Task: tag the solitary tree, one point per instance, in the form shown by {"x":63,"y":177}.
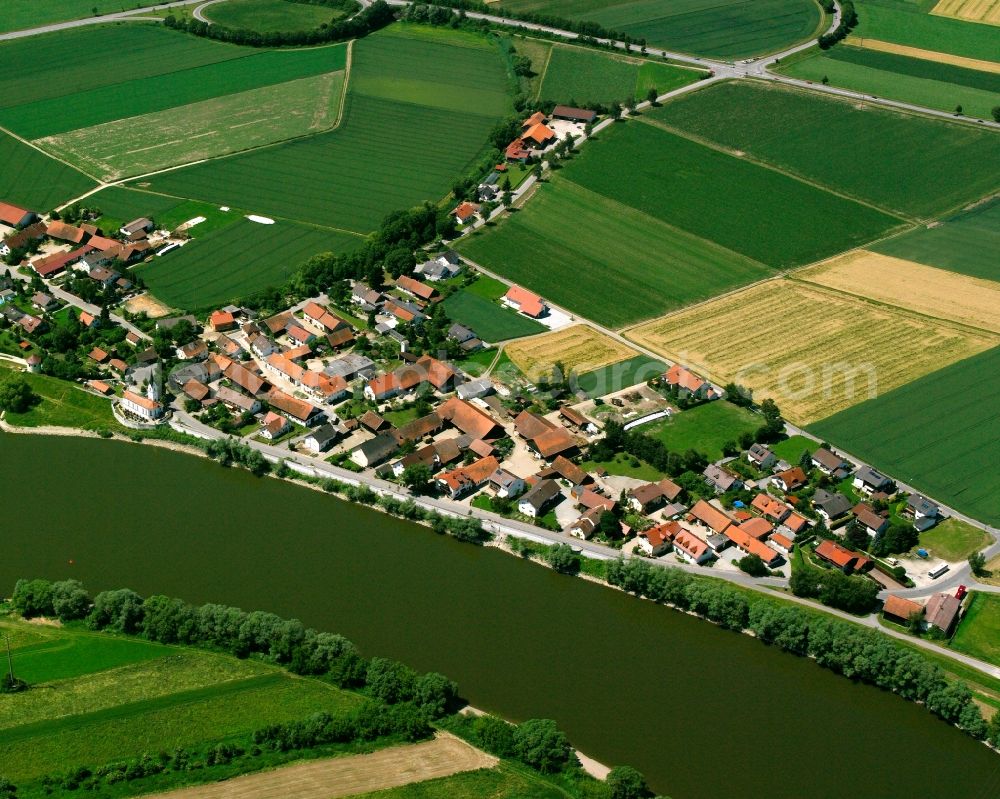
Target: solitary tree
{"x":16,"y":395}
{"x":625,"y":782}
{"x":417,"y":476}
{"x":977,"y":561}
{"x":996,"y":113}
{"x":651,"y":95}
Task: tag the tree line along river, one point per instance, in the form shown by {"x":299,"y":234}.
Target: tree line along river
{"x":704,"y":713}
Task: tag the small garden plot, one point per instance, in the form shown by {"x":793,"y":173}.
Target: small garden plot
{"x":490,"y":320}
{"x":705,"y":428}
{"x":578,"y":348}
{"x":978,"y":633}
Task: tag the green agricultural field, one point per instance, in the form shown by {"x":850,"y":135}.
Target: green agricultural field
{"x":620,"y":375}
{"x":490,"y":321}
{"x":268,"y":16}
{"x":34,"y":67}
{"x":939,"y":433}
{"x":720,"y":29}
{"x":966,"y":243}
{"x":704,"y":428}
{"x":506,"y":781}
{"x":23,"y":14}
{"x":237,"y":260}
{"x":978,"y":633}
{"x":487,"y":287}
{"x":954,"y":540}
{"x":772,"y":217}
{"x":904,"y":24}
{"x":446,"y":97}
{"x":625,"y":466}
{"x":203,"y":130}
{"x":578,"y":76}
{"x":119,"y":205}
{"x":901,"y":78}
{"x":901,"y":162}
{"x":32,"y":179}
{"x":603,"y":259}
{"x":63,"y":404}
{"x":166,"y":91}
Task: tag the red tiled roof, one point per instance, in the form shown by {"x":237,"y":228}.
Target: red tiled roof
{"x":528,"y":303}
{"x":222,"y":320}
{"x":711,"y":517}
{"x":751,"y":545}
{"x":678,"y":376}
{"x":465,"y":211}
{"x":469,"y":419}
{"x":141,"y":401}
{"x":415,"y":287}
{"x":900,"y":607}
{"x":11,"y":214}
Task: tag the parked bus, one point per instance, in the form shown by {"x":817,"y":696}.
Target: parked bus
{"x":939,"y":571}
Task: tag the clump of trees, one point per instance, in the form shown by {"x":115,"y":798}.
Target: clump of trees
{"x":16,"y":395}
{"x":228,"y":451}
{"x":848,"y":19}
{"x":376,"y":16}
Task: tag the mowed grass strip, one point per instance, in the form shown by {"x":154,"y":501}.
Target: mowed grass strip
{"x":899,"y":86}
{"x":579,"y":348}
{"x":203,"y":130}
{"x":623,"y":374}
{"x":772,"y":218}
{"x":905,"y":284}
{"x":348,"y":776}
{"x":35,"y":67}
{"x":604,"y":259}
{"x":954,"y":540}
{"x":32,"y":179}
{"x":266,"y":16}
{"x":173,"y":672}
{"x":978,"y":633}
{"x":386,"y":154}
{"x":491,"y":321}
{"x":170,"y":91}
{"x":901,"y":162}
{"x":206,"y":714}
{"x":723,"y":29}
{"x":56,"y":655}
{"x":63,"y":404}
{"x":966,"y":243}
{"x":849,"y":350}
{"x":705,"y":428}
{"x":939,"y":433}
{"x":898,"y":23}
{"x":237,"y":260}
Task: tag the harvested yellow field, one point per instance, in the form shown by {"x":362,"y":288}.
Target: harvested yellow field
{"x":149,"y":305}
{"x":912,"y":286}
{"x":973,"y":10}
{"x":927,"y":55}
{"x":579,"y":348}
{"x":813,"y":350}
{"x":346,"y":776}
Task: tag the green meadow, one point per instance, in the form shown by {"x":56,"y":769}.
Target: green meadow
{"x":32,"y":179}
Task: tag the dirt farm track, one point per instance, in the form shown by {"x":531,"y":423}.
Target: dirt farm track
{"x":346,"y":776}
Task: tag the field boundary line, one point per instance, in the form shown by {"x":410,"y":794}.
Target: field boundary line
{"x":347,"y":80}
{"x":34,"y":146}
{"x":798,"y":278}
{"x":545,"y":70}
{"x":774,"y":168}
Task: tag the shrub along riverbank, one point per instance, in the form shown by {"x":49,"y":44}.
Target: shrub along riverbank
{"x":400,"y":704}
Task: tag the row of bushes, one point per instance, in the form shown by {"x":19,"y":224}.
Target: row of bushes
{"x":850,"y":593}
{"x":376,"y":16}
{"x":850,"y":650}
{"x":848,"y":19}
{"x":584,"y":28}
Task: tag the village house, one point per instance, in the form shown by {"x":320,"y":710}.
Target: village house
{"x":351,"y":367}
{"x":51,"y":265}
{"x":465,"y":338}
{"x":538,"y":498}
{"x":274,"y":425}
{"x":43,"y":302}
{"x":721,"y":479}
{"x":14,"y":216}
{"x":142,"y":225}
{"x":761,"y":457}
{"x":830,"y":506}
{"x":752,"y":546}
{"x":925,"y":514}
{"x":870,"y":481}
{"x":831,"y":464}
{"x":781,"y":543}
{"x":647,"y":498}
{"x":709,"y":516}
{"x":416,"y":289}
{"x":403,"y":311}
{"x":688,"y":384}
{"x":546,"y":438}
{"x":195,"y":351}
{"x":295,"y":409}
{"x":221,"y":321}
{"x":942,"y":611}
{"x":692,"y":548}
{"x":474,"y":389}
{"x":756,"y":527}
{"x":466,"y":212}
{"x":62,"y":231}
{"x":31,"y":324}
{"x":571,"y":114}
{"x":899,"y":609}
{"x":505,"y":484}
{"x":466,"y":479}
{"x":236,"y":401}
{"x":365,"y":296}
{"x":588,"y":499}
{"x":425,"y":456}
{"x":443,"y":267}
{"x":140,"y":406}
{"x":373,"y":452}
{"x":844,"y":559}
{"x":658,"y":540}
{"x":567,"y":470}
{"x":795,"y":523}
{"x":409,"y":377}
{"x":252,"y":384}
{"x":874,"y":523}
{"x":790,"y":479}
{"x":199,"y":392}
{"x":23,"y":238}
{"x":525,"y":302}
{"x":573,"y":418}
